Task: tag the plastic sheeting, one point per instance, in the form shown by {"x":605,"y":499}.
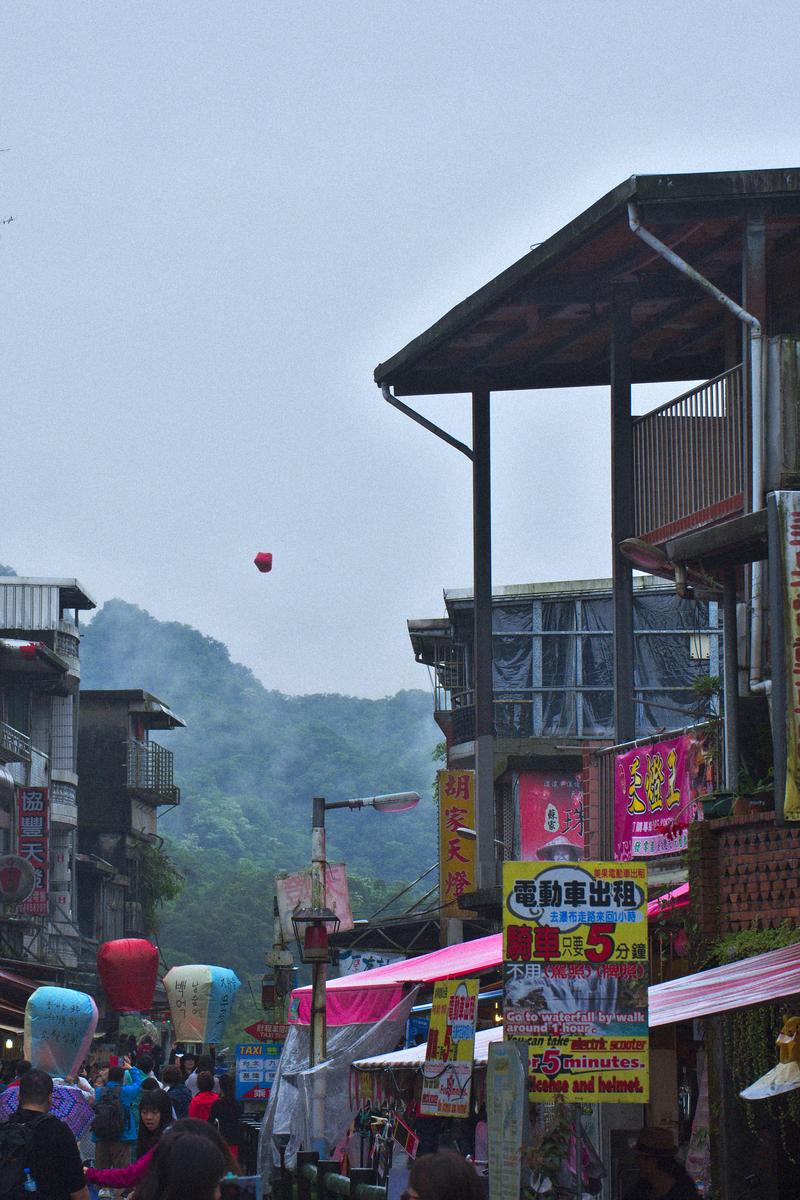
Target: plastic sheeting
{"x":540,"y":690}
{"x":289,"y":1110}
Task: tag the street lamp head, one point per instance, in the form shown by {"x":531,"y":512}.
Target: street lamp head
{"x":395,"y":801}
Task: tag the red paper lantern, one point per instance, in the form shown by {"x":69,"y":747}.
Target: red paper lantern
{"x":128,"y":970}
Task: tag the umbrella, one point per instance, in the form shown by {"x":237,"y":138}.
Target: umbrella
{"x":69,"y":1104}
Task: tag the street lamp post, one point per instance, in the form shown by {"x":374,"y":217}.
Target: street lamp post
{"x":312,"y":927}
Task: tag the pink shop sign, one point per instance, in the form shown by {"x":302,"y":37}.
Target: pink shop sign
{"x":655,"y":792}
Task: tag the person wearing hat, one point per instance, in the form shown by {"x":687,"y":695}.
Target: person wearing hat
{"x":661,"y":1176}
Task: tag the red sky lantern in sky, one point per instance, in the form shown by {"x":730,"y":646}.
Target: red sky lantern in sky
{"x":263,"y":561}
{"x":128,"y":970}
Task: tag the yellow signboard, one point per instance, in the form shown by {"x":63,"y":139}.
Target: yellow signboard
{"x":447,"y":1073}
{"x":576,"y":977}
{"x":457,"y":873}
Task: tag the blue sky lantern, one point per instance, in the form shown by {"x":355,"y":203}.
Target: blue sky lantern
{"x":201,"y":1001}
{"x":59,"y":1026}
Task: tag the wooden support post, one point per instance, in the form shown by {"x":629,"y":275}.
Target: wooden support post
{"x":730,"y":679}
{"x":622,"y":513}
{"x":325,"y":1166}
{"x":304,"y":1158}
{"x":361,"y":1175}
{"x":483,"y":683}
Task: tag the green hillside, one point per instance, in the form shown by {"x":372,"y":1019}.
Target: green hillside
{"x":248,"y":764}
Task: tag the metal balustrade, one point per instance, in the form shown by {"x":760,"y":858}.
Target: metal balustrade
{"x":15,"y":746}
{"x":689,"y":459}
{"x":150,"y":771}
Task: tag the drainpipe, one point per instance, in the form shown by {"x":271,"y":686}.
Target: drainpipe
{"x":758,"y":360}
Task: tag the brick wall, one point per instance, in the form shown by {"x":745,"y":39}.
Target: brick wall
{"x":744,"y":872}
{"x":595,"y":804}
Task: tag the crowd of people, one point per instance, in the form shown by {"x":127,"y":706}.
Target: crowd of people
{"x":156,"y":1134}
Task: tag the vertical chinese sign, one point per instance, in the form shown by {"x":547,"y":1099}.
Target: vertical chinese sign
{"x":456,"y":852}
{"x":550,"y":806}
{"x":576,"y":977}
{"x":447,"y":1074}
{"x":789,"y":518}
{"x":655,"y":793}
{"x":33,"y":837}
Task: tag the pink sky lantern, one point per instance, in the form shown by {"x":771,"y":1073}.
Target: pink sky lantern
{"x":128,"y":970}
{"x":263,"y":561}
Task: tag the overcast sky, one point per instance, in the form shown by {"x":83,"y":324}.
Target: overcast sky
{"x":225,"y":215}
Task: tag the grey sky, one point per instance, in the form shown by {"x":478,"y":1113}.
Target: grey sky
{"x":226,"y":214}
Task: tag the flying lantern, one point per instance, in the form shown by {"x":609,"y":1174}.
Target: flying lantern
{"x":128,"y":970}
{"x":200,"y":1001}
{"x":59,"y":1026}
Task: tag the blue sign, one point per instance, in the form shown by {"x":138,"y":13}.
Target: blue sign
{"x":256,"y":1064}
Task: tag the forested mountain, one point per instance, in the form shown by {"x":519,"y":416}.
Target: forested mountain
{"x":248,"y":764}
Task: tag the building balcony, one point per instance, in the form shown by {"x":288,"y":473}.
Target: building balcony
{"x":150,"y":773}
{"x":690,"y":460}
{"x":15,"y":746}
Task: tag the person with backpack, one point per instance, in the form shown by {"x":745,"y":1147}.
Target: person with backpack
{"x":114,"y":1128}
{"x":36,"y":1146}
{"x":178,"y":1092}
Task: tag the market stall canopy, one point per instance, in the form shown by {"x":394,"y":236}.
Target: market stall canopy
{"x":349,"y":999}
{"x":414,"y":1056}
{"x":662,"y":905}
{"x":756,"y":980}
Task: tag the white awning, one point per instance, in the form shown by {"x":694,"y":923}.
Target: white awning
{"x":414,"y":1057}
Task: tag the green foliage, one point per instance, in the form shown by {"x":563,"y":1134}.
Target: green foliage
{"x":248,"y":764}
{"x":160,"y":883}
{"x":749,"y":942}
{"x":749,"y":1034}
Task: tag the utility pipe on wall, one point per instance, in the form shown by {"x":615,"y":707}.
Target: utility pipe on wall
{"x":758,"y":361}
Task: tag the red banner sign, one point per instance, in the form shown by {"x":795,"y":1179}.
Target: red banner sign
{"x":551,"y":816}
{"x":33,"y":844}
{"x":654,"y":798}
{"x":268,"y":1031}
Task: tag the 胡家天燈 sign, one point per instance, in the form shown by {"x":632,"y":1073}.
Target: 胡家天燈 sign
{"x":457,"y":870}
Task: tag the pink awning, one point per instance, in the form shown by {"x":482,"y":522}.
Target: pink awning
{"x":346,"y":996}
{"x":677,"y":898}
{"x":756,"y":980}
{"x":370,"y":994}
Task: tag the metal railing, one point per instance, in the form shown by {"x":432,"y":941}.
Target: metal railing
{"x":150,"y":771}
{"x":14,"y":745}
{"x":318,"y":1179}
{"x":689,"y":459}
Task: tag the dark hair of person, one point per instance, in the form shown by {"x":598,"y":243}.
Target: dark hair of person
{"x":185,"y":1164}
{"x":227,"y":1086}
{"x":205,"y":1081}
{"x":23,"y":1066}
{"x":154,"y":1101}
{"x":35,"y":1087}
{"x":205,"y":1063}
{"x":149,"y":1085}
{"x":171,"y":1075}
{"x":116,"y":1074}
{"x":445,"y":1176}
{"x":145,"y":1063}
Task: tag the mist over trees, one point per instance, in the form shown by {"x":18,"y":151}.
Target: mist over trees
{"x":248,"y":764}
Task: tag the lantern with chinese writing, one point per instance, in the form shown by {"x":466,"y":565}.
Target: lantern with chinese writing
{"x":59,"y":1026}
{"x":128,"y":970}
{"x":200,"y":1001}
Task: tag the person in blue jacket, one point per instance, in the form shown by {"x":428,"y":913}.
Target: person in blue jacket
{"x":116,"y":1152}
